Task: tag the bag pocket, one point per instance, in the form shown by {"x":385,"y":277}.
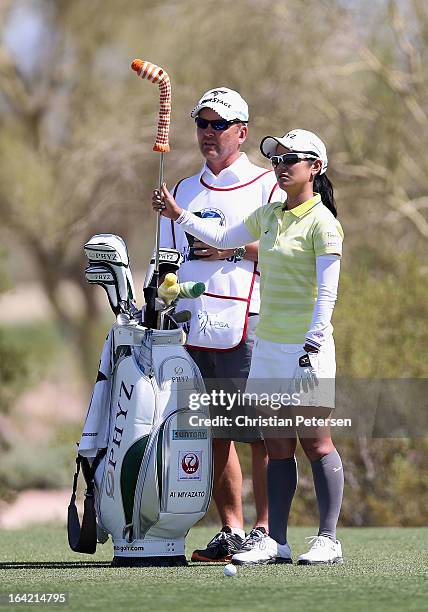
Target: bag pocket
{"x":176,"y":476}
{"x":220,"y":323}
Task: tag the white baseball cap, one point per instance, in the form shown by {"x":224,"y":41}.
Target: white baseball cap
{"x":298,"y":141}
{"x":224,"y":101}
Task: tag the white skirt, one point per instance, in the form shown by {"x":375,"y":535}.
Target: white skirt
{"x":273,"y":371}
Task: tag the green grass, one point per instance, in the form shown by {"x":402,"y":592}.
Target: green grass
{"x":384,"y":569}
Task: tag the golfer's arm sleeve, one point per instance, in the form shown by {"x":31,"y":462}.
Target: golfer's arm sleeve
{"x":213,"y":234}
{"x":328,"y":271}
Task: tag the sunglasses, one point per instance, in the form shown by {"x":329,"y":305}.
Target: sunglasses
{"x":216,"y":124}
{"x":290,"y":158}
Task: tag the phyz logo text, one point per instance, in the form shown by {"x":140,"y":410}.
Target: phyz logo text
{"x":103,"y":255}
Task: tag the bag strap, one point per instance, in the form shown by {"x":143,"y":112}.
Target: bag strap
{"x":83,"y":538}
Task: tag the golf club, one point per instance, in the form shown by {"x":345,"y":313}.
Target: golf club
{"x":155,"y":74}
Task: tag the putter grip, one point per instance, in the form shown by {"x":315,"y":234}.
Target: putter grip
{"x":155,"y":74}
{"x":190,"y":289}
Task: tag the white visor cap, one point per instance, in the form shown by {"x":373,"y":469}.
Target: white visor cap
{"x":298,"y":141}
{"x":225,"y":102}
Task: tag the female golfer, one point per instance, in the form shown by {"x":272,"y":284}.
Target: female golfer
{"x":299,"y":256}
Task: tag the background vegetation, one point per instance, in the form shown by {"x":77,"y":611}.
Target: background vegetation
{"x":76,"y":131}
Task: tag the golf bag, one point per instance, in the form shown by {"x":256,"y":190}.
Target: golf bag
{"x":147,"y":467}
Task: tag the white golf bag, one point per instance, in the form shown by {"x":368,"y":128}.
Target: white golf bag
{"x":145,"y":455}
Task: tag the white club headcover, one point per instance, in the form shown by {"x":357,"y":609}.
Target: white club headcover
{"x":107,"y":248}
{"x":102,"y":275}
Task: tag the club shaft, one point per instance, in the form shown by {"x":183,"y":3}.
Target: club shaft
{"x":158,"y":216}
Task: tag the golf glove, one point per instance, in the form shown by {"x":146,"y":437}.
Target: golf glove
{"x":305,"y":376}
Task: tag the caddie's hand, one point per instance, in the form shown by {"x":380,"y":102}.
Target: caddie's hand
{"x":163,"y":202}
{"x":305,"y":376}
{"x":204,"y":251}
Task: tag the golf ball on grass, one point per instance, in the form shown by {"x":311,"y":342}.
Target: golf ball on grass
{"x":229,"y":570}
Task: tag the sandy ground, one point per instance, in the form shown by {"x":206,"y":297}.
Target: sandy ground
{"x":34,"y":506}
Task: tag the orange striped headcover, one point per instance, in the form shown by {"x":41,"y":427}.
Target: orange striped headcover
{"x":155,"y":74}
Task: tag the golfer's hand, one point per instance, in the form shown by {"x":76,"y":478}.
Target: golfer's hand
{"x":204,"y":251}
{"x":305,"y":376}
{"x":164,"y":203}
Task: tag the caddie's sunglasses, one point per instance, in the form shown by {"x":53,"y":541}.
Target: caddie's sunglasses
{"x":216,"y":124}
{"x":290,"y":158}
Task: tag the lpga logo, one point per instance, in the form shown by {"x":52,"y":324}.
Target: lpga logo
{"x":210,"y":320}
{"x":189,"y":465}
{"x":203,"y":320}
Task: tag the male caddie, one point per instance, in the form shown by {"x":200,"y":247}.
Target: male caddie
{"x":221,"y":333}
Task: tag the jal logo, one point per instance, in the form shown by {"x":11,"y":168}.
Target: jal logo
{"x":190,"y":463}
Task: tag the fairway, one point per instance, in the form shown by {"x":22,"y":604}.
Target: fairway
{"x":384,"y":569}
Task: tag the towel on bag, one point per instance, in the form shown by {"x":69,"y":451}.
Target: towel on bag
{"x":97,"y":423}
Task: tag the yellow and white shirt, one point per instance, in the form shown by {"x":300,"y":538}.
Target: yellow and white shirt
{"x":290,"y":242}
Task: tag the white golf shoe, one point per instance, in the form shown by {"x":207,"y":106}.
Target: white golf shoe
{"x":323,"y":551}
{"x":263,"y":550}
